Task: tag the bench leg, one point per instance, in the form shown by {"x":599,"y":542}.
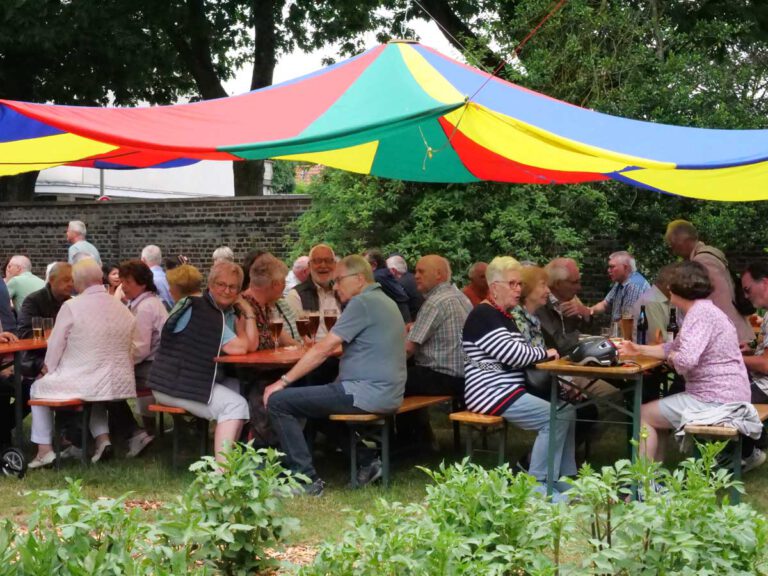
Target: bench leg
{"x":503,"y":444}
{"x":56,"y":437}
{"x":735,"y":496}
{"x":175,"y":435}
{"x":202,"y":430}
{"x":456,"y":429}
{"x":86,"y":433}
{"x":385,"y":450}
{"x":468,"y":442}
{"x":352,"y":456}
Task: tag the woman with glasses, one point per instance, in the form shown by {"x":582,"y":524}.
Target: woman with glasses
{"x":184,"y":373}
{"x":496,"y":354}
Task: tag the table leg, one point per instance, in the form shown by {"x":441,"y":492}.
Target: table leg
{"x":18,"y":402}
{"x":552,"y":436}
{"x":636,"y":406}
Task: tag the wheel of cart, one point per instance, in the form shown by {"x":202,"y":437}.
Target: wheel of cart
{"x":12,"y":462}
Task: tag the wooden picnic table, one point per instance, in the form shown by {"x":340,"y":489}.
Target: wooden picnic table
{"x":630,"y":371}
{"x":16,"y":348}
{"x":272,"y":358}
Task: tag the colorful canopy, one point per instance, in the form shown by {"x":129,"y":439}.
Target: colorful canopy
{"x":403,"y":111}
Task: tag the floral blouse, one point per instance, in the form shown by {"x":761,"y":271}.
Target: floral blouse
{"x":529,"y":325}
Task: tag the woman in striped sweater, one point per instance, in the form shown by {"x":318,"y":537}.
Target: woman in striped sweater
{"x":495,"y":356}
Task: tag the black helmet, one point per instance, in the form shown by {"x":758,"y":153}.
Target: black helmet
{"x":595,"y":351}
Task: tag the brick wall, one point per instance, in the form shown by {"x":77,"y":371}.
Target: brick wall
{"x":121,"y":229}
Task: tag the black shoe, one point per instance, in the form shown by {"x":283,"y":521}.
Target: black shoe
{"x":315,"y":488}
{"x":370,"y":473}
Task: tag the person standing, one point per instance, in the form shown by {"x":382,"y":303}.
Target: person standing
{"x":683,"y":240}
{"x":76,"y":233}
{"x":628,"y":285}
{"x":153,"y":257}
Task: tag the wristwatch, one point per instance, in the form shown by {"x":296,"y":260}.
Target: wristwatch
{"x":284,"y":378}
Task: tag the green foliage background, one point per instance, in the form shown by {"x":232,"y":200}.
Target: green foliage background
{"x":698,"y":63}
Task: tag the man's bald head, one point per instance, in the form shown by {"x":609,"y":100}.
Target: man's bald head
{"x":430,"y":271}
{"x":60,"y":281}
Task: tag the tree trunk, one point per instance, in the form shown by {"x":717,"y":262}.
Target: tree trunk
{"x":19,"y":188}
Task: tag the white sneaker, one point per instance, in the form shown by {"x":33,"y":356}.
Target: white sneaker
{"x":138,"y":442}
{"x":42,"y":461}
{"x":757,"y":458}
{"x":72,"y":451}
{"x":103,"y":452}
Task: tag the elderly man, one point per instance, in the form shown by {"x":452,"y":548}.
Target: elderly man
{"x":656,"y":302}
{"x":316,"y":292}
{"x":477,"y":289}
{"x":88,"y":357}
{"x":754,"y":282}
{"x":76,"y":233}
{"x":298,"y":274}
{"x":184,"y":374}
{"x":20,"y":280}
{"x":153,"y":257}
{"x":399,"y":269}
{"x":628,"y":284}
{"x":564,"y":316}
{"x":223,"y":254}
{"x":388,"y":282}
{"x":683,"y":240}
{"x":372,"y":372}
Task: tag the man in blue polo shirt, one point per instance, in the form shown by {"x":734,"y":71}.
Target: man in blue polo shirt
{"x":628,"y":285}
{"x":372,"y":370}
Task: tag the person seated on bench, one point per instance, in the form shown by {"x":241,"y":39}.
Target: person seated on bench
{"x":88,"y":358}
{"x":434,"y":344}
{"x":372,"y":370}
{"x":754,"y":282}
{"x":496,"y":355}
{"x":184,"y":373}
{"x":705,"y":352}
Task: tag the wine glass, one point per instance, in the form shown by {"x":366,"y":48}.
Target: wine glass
{"x":314,"y":325}
{"x":302,"y":325}
{"x":275,"y":325}
{"x":330,"y":315}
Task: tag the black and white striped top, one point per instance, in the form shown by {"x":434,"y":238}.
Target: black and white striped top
{"x":495,"y":354}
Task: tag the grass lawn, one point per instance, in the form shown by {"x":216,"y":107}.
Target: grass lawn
{"x":150,"y":478}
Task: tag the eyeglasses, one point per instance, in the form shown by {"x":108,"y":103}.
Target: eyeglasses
{"x":340,"y":278}
{"x":224,"y":287}
{"x":511,"y":283}
{"x":327,"y":261}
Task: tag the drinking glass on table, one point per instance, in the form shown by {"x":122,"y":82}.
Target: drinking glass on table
{"x":47,"y":327}
{"x":302,"y":325}
{"x":314,"y":325}
{"x":330,"y":315}
{"x":627,"y":325}
{"x":275,"y":325}
{"x":37,"y":328}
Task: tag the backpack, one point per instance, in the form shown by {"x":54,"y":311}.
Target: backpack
{"x":740,"y":301}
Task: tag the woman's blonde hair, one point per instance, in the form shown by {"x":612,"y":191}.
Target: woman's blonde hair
{"x":186,"y":279}
{"x":530,"y":276}
{"x":498,"y":266}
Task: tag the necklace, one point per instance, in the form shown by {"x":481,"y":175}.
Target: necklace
{"x":492,"y":302}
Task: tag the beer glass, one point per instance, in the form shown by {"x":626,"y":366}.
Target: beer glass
{"x":37,"y":328}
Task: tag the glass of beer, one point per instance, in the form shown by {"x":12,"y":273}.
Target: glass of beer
{"x":314,"y":324}
{"x":302,"y":325}
{"x":47,"y":327}
{"x":37,"y":328}
{"x":329,"y":318}
{"x":275,"y":325}
{"x":627,"y":325}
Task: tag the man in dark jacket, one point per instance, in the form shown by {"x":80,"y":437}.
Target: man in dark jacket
{"x":7,"y":317}
{"x":399,"y":269}
{"x":388,"y":282}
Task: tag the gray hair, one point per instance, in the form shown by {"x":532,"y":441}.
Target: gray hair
{"x":152,"y":255}
{"x":223,"y":253}
{"x":225,"y":268}
{"x":398,"y":263}
{"x":22,"y":262}
{"x":301,"y":263}
{"x":77,"y":227}
{"x":625,"y":258}
{"x":499,"y":266}
{"x":356,"y":264}
{"x":87,"y":273}
{"x":267,"y":269}
{"x":57,"y":268}
{"x":316,"y":246}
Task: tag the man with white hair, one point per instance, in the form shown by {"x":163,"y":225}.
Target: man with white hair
{"x":628,"y":285}
{"x":76,"y":232}
{"x":316,"y":293}
{"x":298,"y":274}
{"x":399,"y":269}
{"x":89,"y":357}
{"x":20,"y":280}
{"x":223,"y":254}
{"x":153,"y":257}
{"x":564,"y":317}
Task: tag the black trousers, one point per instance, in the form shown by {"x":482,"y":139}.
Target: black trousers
{"x":747,"y":444}
{"x":423,"y":381}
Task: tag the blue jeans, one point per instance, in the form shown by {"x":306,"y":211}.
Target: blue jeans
{"x":287,"y":406}
{"x":532,"y":413}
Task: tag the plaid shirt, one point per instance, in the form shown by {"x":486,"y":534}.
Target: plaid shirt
{"x":622,"y":297}
{"x":437,"y":330}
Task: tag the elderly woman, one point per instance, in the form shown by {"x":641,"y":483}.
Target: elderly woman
{"x":149,"y":310}
{"x":496,"y":356}
{"x":88,"y":357}
{"x":265,"y":294}
{"x":705,"y":352}
{"x":183,"y":281}
{"x":184,"y":373}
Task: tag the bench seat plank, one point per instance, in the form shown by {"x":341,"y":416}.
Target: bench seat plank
{"x":70,"y":403}
{"x":467,"y":417}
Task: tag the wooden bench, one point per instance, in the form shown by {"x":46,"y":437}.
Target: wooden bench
{"x":71,"y":405}
{"x":386,"y":421}
{"x":178,"y":415}
{"x":485,"y":424}
{"x":719,"y":433}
